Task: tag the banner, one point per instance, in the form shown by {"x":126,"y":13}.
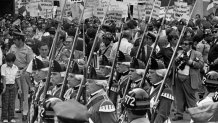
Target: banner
{"x":92,"y":3}
{"x":33,"y":9}
{"x":148,"y":7}
{"x":100,"y":12}
{"x":181,"y":10}
{"x":114,"y":15}
{"x":120,"y":6}
{"x":46,"y":9}
{"x":88,"y":12}
{"x":76,"y":10}
{"x":139,"y":12}
{"x":156,"y":10}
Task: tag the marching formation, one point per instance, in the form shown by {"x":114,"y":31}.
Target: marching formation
{"x":88,"y":71}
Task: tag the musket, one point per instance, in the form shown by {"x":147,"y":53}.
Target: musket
{"x":85,"y":68}
{"x":144,"y":33}
{"x":114,"y":62}
{"x":82,"y":84}
{"x":173,"y":58}
{"x":154,"y":48}
{"x":51,"y":59}
{"x":63,"y":88}
{"x":53,"y":54}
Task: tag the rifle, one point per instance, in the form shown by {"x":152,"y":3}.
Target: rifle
{"x":51,"y":59}
{"x":153,"y":49}
{"x":63,"y":88}
{"x":172,"y":59}
{"x":82,"y":84}
{"x":114,"y":63}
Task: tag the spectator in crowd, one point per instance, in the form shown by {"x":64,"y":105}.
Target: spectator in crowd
{"x":10,"y":76}
{"x":24,"y":55}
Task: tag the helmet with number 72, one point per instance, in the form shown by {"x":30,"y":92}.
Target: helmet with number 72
{"x":137,"y":99}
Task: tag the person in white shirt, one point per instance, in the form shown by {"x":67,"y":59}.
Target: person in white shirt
{"x":125,"y":45}
{"x":10,"y":75}
{"x":43,"y":50}
{"x":187,"y":77}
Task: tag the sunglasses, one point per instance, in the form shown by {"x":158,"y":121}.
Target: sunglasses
{"x":214,"y":32}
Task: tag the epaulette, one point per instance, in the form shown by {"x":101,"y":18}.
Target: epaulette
{"x":167,"y":93}
{"x":107,"y":106}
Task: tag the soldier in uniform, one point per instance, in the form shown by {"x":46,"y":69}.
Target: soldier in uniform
{"x":65,"y":53}
{"x":135,"y":77}
{"x":100,"y":107}
{"x":74,"y":79}
{"x":156,"y":75}
{"x":39,"y":73}
{"x":57,"y":76}
{"x":106,"y":45}
{"x":122,"y":71}
{"x":137,"y":104}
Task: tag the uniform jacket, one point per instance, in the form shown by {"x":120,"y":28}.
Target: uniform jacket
{"x":102,"y":110}
{"x":194,"y":71}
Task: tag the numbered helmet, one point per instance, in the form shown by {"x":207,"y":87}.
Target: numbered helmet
{"x":137,"y":99}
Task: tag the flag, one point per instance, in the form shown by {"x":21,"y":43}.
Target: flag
{"x":39,"y":7}
{"x":210,"y":6}
{"x":198,"y":8}
{"x":21,"y":10}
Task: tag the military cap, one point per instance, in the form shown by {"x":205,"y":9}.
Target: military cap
{"x":104,"y":61}
{"x":123,"y":58}
{"x":154,"y":64}
{"x":137,"y":64}
{"x":91,"y":74}
{"x":39,"y":65}
{"x":56,"y":67}
{"x":74,"y":68}
{"x":71,"y":111}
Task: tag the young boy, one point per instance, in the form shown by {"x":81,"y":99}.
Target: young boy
{"x":10,"y":75}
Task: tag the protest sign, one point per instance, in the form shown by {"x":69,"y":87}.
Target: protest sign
{"x":92,"y":3}
{"x":148,"y":7}
{"x":114,"y":15}
{"x":156,"y":9}
{"x":76,"y":10}
{"x":46,"y":9}
{"x":88,"y":12}
{"x":120,"y":6}
{"x":100,"y":12}
{"x":181,"y":10}
{"x":33,"y":9}
{"x":139,"y":11}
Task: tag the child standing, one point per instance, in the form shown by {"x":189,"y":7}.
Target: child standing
{"x":10,"y":75}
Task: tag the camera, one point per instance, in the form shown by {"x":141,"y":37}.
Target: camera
{"x":181,"y":61}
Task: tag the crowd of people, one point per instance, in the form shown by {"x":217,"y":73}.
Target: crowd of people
{"x":26,"y":60}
